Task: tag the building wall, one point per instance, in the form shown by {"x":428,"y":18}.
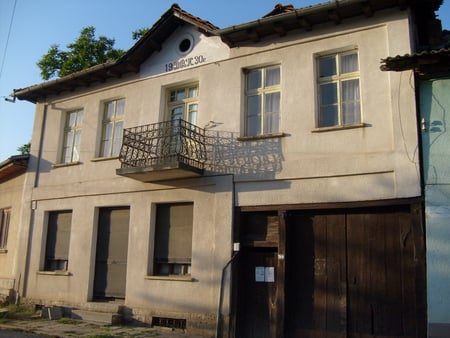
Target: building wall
{"x":434,"y":106}
{"x":377,"y":161}
{"x":11,"y":192}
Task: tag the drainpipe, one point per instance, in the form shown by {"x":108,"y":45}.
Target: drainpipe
{"x":222,"y":280}
{"x":41,"y":143}
{"x":33,"y":204}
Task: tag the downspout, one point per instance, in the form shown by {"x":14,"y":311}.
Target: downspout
{"x":33,"y":204}
{"x":222,"y":280}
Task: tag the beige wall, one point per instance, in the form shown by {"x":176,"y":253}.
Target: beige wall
{"x":11,"y":198}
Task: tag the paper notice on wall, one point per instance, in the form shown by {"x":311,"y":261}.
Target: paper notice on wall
{"x":265,"y":274}
{"x":259,"y":274}
{"x":269,"y":274}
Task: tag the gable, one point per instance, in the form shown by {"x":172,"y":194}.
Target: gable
{"x":186,"y":47}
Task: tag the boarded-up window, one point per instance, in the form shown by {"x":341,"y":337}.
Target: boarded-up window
{"x":5,"y":215}
{"x":58,"y":237}
{"x":173,"y":239}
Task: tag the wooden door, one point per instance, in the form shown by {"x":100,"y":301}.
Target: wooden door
{"x":354,"y":273}
{"x":315,"y":276}
{"x":257,"y":302}
{"x":112,"y":251}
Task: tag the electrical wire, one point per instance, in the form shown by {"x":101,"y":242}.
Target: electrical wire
{"x":7,"y":38}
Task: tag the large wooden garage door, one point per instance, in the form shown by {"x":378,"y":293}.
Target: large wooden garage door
{"x":354,"y":274}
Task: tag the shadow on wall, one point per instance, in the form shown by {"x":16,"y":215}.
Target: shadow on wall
{"x":256,"y":159}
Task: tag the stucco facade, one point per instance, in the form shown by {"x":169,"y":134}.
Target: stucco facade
{"x":370,"y":163}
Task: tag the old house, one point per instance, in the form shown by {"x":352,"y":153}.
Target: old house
{"x":12,"y":182}
{"x":259,"y":180}
{"x":431,"y":67}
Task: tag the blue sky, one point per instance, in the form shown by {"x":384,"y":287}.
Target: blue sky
{"x":38,"y":24}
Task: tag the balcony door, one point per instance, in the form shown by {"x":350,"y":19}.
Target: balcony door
{"x":182,"y":105}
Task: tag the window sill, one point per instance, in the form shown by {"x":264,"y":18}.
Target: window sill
{"x":351,"y":126}
{"x":171,"y":278}
{"x":54,"y":273}
{"x":261,"y":137}
{"x":101,"y":159}
{"x":3,"y":251}
{"x":62,"y":165}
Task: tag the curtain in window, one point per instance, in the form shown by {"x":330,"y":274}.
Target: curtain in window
{"x":272,"y":113}
{"x":351,"y":113}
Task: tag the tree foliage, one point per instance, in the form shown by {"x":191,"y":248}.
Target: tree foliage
{"x":139,"y":33}
{"x":86,"y":51}
{"x":24,"y":149}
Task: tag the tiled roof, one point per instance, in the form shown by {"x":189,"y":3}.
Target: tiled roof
{"x":13,"y":166}
{"x":424,"y":62}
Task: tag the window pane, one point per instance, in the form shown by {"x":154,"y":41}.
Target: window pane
{"x":272,"y":76}
{"x":254,"y":79}
{"x":79,"y":118}
{"x":58,"y":238}
{"x":118,"y":132}
{"x":254,"y":105}
{"x":328,"y":94}
{"x":253,"y":125}
{"x":349,"y":63}
{"x":328,"y":116}
{"x":72,"y":119}
{"x":193,"y":92}
{"x":120,"y":109}
{"x":272,"y":113}
{"x":177,"y":95}
{"x":76,"y":146}
{"x":351,"y":111}
{"x":327,"y":66}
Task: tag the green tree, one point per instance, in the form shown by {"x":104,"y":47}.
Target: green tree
{"x":24,"y":149}
{"x":139,"y":33}
{"x":86,"y":51}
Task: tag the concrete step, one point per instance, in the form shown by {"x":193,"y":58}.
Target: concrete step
{"x":97,"y":317}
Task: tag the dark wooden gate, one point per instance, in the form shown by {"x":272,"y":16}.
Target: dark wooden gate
{"x":339,"y":273}
{"x":112,"y":251}
{"x":354,"y":274}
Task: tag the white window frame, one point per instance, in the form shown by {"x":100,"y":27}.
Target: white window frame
{"x":115,"y":121}
{"x":261,"y":91}
{"x":339,"y":78}
{"x":187,"y":102}
{"x":71,"y":148}
{"x":5,"y":220}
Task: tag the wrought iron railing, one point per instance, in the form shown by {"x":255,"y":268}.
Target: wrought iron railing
{"x":163,"y":144}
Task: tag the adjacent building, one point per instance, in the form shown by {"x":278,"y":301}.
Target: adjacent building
{"x":261,"y":180}
{"x":12,"y":182}
{"x":432,"y":73}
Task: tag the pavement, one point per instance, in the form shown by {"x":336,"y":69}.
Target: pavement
{"x":34,"y":326}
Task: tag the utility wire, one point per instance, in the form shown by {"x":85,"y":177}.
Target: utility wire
{"x":7,"y":38}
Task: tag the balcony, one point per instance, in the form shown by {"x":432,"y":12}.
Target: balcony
{"x":163,"y":151}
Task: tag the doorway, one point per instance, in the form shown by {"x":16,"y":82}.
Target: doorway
{"x":111,"y":253}
{"x":337,"y":273}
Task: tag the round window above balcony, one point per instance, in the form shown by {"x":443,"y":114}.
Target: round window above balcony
{"x":185,"y":44}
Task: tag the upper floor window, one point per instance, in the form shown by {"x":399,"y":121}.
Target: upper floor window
{"x":262,"y":95}
{"x":72,"y":135}
{"x":183,"y":103}
{"x":339,"y":92}
{"x":112,"y":129}
{"x":5,"y":216}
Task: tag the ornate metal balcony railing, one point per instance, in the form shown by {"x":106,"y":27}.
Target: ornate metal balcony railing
{"x":163,"y":144}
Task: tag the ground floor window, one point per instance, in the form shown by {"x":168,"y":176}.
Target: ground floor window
{"x":173,"y":239}
{"x":5,"y":216}
{"x":58,"y":238}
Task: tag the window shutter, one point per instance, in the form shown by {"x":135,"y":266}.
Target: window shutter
{"x":58,"y":235}
{"x":174,"y":233}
